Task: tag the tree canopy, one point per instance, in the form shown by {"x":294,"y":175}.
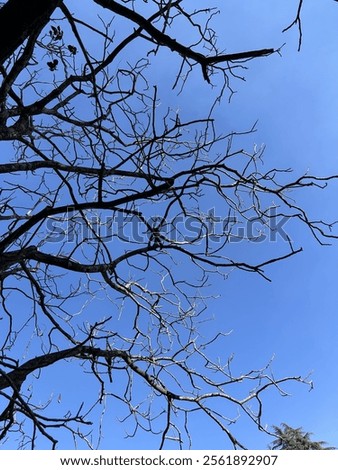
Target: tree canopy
{"x":295,"y":439}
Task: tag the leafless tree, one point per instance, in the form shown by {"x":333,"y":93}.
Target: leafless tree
{"x":104,"y":211}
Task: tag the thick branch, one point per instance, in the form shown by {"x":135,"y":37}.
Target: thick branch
{"x":80,"y":170}
{"x":165,"y":40}
{"x":19,"y":375}
{"x":49,"y":211}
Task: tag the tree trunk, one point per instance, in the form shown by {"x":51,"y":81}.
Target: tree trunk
{"x":18,"y":19}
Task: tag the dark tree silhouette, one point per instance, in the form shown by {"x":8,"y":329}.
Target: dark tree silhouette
{"x":22,"y":19}
{"x":104,"y":197}
{"x":289,"y":438}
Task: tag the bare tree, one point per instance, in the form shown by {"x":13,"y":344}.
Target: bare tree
{"x":104,"y":198}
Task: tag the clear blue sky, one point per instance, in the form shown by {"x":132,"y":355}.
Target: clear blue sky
{"x":294,"y":318}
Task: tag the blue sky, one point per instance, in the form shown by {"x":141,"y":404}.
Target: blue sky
{"x":294,"y":97}
{"x":293,"y":318}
